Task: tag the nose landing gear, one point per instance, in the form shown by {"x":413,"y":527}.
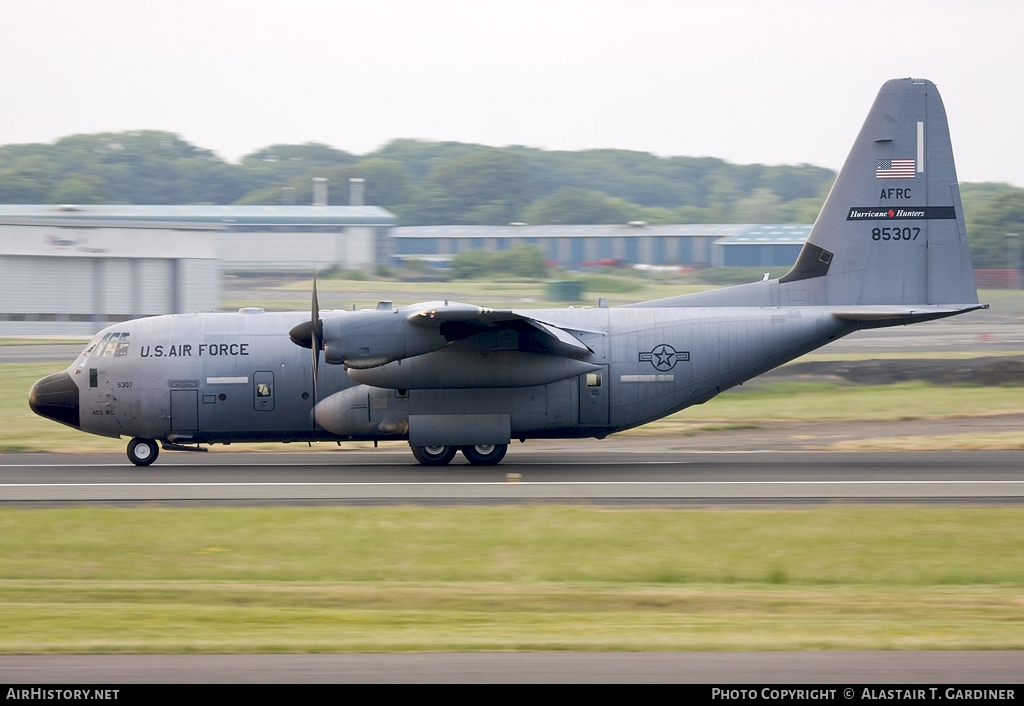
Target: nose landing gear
{"x":142,"y":452}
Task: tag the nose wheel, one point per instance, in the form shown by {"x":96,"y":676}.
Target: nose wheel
{"x":142,"y":452}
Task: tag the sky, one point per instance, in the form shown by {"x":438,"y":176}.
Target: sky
{"x":749,"y":81}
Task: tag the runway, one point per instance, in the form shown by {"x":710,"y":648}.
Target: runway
{"x":843,"y":669}
{"x":658,"y":472}
{"x":596,"y":472}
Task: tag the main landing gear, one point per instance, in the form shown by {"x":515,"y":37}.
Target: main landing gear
{"x":142,"y":452}
{"x":480,"y":455}
{"x":485,"y":455}
{"x":434,"y":455}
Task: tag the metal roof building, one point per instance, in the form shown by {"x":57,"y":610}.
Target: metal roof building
{"x":760,"y":246}
{"x":224,"y":217}
{"x":85,"y":266}
{"x":573,"y":246}
{"x":249,"y":238}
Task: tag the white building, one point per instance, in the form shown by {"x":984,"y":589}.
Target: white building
{"x":74,"y":269}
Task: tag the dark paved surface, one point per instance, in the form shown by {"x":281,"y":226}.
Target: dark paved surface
{"x":608,"y":471}
{"x":842,"y":669}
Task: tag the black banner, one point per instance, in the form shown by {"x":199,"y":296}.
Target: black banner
{"x":901,"y":213}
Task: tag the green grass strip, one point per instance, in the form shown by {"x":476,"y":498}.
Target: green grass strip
{"x":840,"y":545}
{"x":509,"y":578}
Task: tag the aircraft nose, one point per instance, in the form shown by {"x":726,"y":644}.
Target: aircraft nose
{"x":56,"y":397}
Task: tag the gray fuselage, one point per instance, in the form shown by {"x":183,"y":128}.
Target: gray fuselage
{"x":217,"y":378}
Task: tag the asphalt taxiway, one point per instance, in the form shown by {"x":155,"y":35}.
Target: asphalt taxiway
{"x":613,"y":471}
{"x":597,"y":472}
{"x":845,"y":670}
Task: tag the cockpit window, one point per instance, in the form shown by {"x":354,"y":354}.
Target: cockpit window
{"x":109,"y":345}
{"x":122,"y":346}
{"x":89,"y":349}
{"x":114,"y":344}
{"x":101,"y":347}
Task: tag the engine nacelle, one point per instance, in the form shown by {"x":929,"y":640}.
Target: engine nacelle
{"x":473,"y":369}
{"x":370,"y":338}
{"x":364,"y":412}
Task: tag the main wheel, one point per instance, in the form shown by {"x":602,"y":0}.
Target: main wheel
{"x":434,"y":455}
{"x":485,"y":454}
{"x":142,"y":452}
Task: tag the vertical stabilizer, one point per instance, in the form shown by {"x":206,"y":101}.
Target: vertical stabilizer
{"x":892,"y":228}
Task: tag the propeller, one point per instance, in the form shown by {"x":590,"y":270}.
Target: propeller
{"x":315,"y":339}
{"x":310,"y":334}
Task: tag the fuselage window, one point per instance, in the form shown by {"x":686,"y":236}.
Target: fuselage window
{"x":263,"y":390}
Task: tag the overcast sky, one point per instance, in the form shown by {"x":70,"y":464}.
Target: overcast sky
{"x":781,"y":82}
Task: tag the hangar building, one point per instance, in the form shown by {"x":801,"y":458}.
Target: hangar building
{"x":573,"y":246}
{"x":73,"y":269}
{"x":760,"y":246}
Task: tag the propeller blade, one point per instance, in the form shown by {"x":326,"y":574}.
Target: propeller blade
{"x":315,"y":341}
{"x":315,"y":314}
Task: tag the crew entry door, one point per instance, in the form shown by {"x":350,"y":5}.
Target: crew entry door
{"x":184,"y":410}
{"x":594,"y":397}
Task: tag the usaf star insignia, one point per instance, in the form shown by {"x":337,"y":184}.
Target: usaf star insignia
{"x":663,"y":356}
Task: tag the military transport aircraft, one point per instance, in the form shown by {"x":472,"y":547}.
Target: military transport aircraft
{"x":889,"y":248}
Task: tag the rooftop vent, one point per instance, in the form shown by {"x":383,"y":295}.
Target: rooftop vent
{"x":356,"y":188}
{"x":319,"y":191}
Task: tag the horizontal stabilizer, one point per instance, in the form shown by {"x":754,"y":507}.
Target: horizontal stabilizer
{"x":881,"y":316}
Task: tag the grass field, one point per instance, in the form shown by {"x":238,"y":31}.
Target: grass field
{"x":337,"y":579}
{"x":509,"y":578}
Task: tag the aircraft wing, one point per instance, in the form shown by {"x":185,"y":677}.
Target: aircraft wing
{"x":456,"y":321}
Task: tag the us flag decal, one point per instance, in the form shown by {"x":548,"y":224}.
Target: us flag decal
{"x":894,"y":169}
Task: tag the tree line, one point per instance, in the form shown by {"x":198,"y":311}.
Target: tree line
{"x":450,"y":183}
